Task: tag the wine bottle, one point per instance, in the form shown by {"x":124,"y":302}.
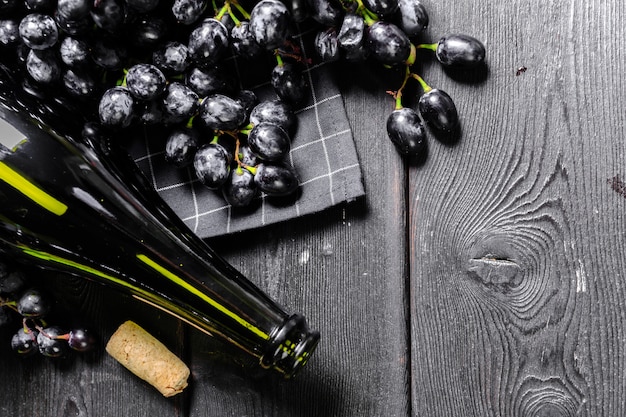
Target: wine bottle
{"x":72,"y":200}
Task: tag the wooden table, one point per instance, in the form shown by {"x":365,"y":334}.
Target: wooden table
{"x":487,"y":280}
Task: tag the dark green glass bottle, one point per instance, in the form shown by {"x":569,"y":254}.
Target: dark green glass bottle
{"x":71,"y":200}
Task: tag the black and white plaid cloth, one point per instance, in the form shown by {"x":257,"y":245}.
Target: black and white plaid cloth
{"x":322,"y":152}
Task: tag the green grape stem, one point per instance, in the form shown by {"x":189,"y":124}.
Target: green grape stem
{"x":368,"y":16}
{"x":422,"y":83}
{"x":397,"y":95}
{"x":412,"y":56}
{"x":12,"y":304}
{"x":429,"y":46}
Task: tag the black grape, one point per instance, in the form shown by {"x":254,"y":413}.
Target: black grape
{"x":460,"y":50}
{"x":212,"y":165}
{"x":439,"y":111}
{"x":221,"y":112}
{"x":269,"y":141}
{"x":276,"y":179}
{"x":240,"y":189}
{"x":406,"y":131}
{"x":387,"y":43}
{"x":269,"y":23}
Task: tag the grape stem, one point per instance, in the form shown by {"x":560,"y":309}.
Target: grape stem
{"x":397,"y":95}
{"x":422,"y":83}
{"x":12,"y":304}
{"x":369,"y":17}
{"x":228,"y":8}
{"x":240,"y":165}
{"x":430,"y":46}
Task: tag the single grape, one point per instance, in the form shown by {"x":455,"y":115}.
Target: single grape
{"x":116,"y":107}
{"x":74,"y":52}
{"x":9,"y":32}
{"x":351,"y":38}
{"x":179,"y":102}
{"x":145,"y":81}
{"x":274,"y":111}
{"x":269,"y":141}
{"x":460,"y":50}
{"x":240,"y":189}
{"x":33,"y":304}
{"x":412,"y":17}
{"x":387,"y":43}
{"x":243,"y":42}
{"x":406,"y":131}
{"x":81,"y":340}
{"x":187,"y":12}
{"x":247,"y":157}
{"x":51,"y":342}
{"x":44,"y":66}
{"x":383,"y":8}
{"x":109,"y":15}
{"x":172,"y":57}
{"x":38,"y":31}
{"x":327,"y":12}
{"x":439,"y":111}
{"x":209,"y":79}
{"x":276,"y":179}
{"x":326,"y":45}
{"x":208,"y":42}
{"x":248,"y":100}
{"x":24,"y":342}
{"x":181,"y":146}
{"x":73,"y":9}
{"x":269,"y":23}
{"x":220,"y":112}
{"x":288,"y":81}
{"x":79,"y":27}
{"x":212,"y":165}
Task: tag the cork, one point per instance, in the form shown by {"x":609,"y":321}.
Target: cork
{"x":146,"y":357}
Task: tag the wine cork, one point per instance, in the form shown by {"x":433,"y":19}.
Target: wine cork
{"x":145,"y":356}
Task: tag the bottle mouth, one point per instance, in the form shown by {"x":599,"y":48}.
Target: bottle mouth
{"x":290,"y":347}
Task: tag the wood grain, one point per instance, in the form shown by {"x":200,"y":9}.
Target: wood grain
{"x":518,"y":231}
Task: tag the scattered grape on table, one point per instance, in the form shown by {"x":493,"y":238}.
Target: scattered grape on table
{"x":28,"y":309}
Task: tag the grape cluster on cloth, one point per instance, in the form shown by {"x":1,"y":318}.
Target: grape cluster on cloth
{"x":118,"y":34}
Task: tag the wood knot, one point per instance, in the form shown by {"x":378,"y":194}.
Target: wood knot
{"x":493,"y":271}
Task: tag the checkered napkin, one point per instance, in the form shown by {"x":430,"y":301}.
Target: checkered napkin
{"x":322,"y":152}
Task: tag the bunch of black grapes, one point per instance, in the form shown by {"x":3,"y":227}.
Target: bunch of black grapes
{"x":385,"y":31}
{"x":166,"y":67}
{"x":27,"y":308}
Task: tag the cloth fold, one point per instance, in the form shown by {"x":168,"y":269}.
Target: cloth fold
{"x":322,"y":152}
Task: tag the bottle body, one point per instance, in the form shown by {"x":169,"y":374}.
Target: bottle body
{"x":76,"y":203}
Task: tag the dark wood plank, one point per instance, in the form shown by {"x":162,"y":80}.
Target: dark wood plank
{"x":518,"y":231}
